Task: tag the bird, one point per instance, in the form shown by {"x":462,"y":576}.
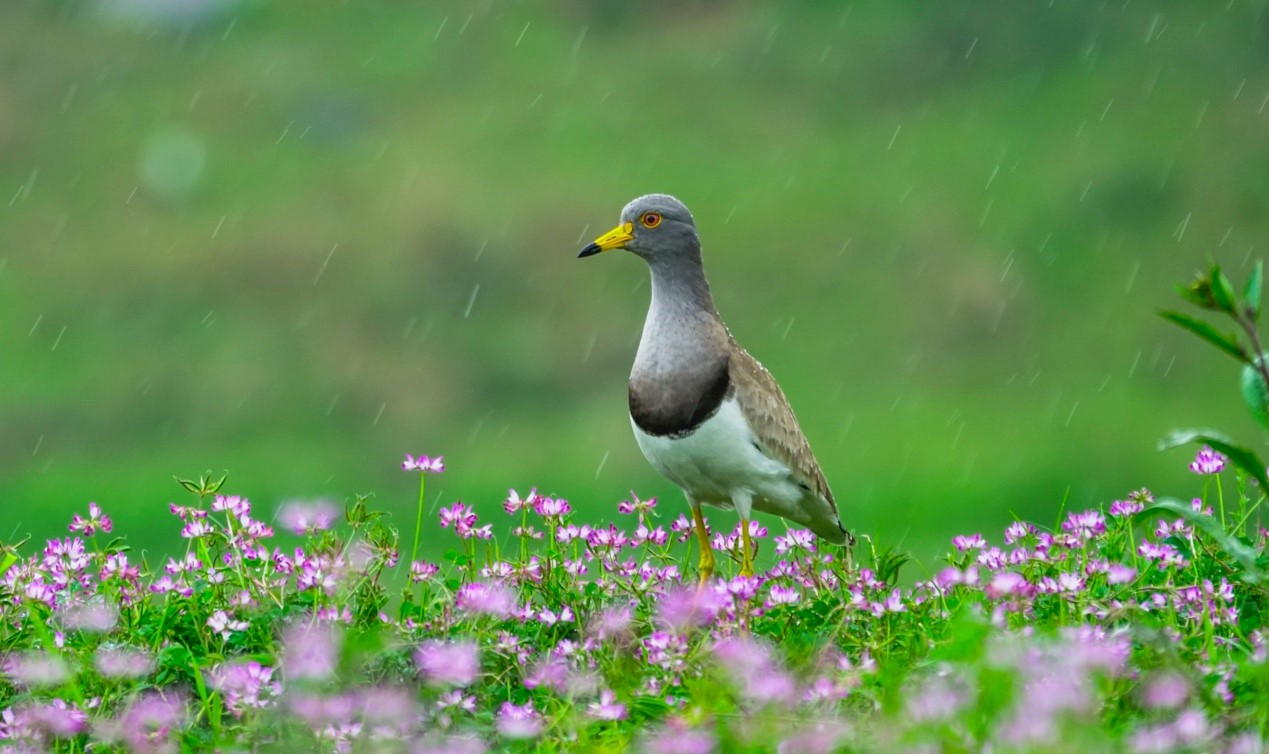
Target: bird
{"x":706,"y":414}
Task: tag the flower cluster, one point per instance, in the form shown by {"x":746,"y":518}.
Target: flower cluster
{"x":1115,"y":629}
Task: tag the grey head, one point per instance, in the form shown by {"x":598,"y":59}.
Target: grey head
{"x":657,"y":227}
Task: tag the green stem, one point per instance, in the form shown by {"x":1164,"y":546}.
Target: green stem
{"x":418,"y":521}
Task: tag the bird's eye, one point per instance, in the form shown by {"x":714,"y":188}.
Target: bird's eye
{"x":650,"y":219}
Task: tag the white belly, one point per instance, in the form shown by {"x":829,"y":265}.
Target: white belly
{"x":719,"y":464}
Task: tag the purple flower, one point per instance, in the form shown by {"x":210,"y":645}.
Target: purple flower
{"x":795,"y":540}
{"x":1166,"y":691}
{"x":682,"y":609}
{"x":1119,"y":573}
{"x":518,"y":721}
{"x":461,"y":516}
{"x":310,"y":651}
{"x":782,"y":595}
{"x":675,"y":737}
{"x":1085,"y":525}
{"x":968,"y":542}
{"x":245,"y":685}
{"x":308,"y":517}
{"x":607,"y":708}
{"x":1123,"y":508}
{"x":1208,"y":461}
{"x":123,"y":662}
{"x":489,"y":599}
{"x":96,"y":521}
{"x":514,"y":503}
{"x":221,"y":623}
{"x":36,"y":669}
{"x":147,"y":725}
{"x":423,"y":463}
{"x":422,"y":571}
{"x":635,"y":505}
{"x":549,"y":507}
{"x":449,"y":663}
{"x":1006,"y":583}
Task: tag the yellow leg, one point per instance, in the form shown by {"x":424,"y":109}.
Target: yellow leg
{"x":706,"y":566}
{"x":746,"y":551}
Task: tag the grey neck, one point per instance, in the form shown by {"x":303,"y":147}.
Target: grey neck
{"x":683,"y":329}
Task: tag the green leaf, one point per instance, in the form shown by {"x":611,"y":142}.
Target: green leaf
{"x":1226,"y":342}
{"x":1222,"y":290}
{"x":1198,"y":293}
{"x":1251,"y":294}
{"x":1256,"y":393}
{"x":1230,"y":545}
{"x":1246,"y":460}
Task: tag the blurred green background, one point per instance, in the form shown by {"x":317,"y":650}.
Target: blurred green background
{"x":297,"y":240}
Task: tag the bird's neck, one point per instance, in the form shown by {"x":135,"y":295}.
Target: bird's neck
{"x":682,"y":324}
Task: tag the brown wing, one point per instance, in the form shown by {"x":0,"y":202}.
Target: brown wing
{"x":764,"y":406}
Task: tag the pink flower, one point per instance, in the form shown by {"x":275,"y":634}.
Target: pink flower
{"x":422,"y":571}
{"x":675,"y":737}
{"x":518,"y":721}
{"x":635,"y":505}
{"x":423,"y":463}
{"x":549,"y":507}
{"x":221,"y":623}
{"x":490,"y":599}
{"x":308,"y":517}
{"x":310,"y":651}
{"x":1208,"y":461}
{"x":607,"y":708}
{"x":448,"y":663}
{"x":514,"y":503}
{"x":795,"y":540}
{"x":96,"y":521}
{"x":968,"y":542}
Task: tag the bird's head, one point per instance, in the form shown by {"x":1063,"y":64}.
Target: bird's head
{"x":657,"y":227}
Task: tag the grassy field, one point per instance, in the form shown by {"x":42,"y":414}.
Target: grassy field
{"x":294,"y":242}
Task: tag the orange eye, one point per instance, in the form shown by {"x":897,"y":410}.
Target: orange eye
{"x":650,"y":219}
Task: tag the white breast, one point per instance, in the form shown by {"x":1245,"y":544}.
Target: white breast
{"x":719,"y":463}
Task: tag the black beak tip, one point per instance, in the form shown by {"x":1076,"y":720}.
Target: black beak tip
{"x":589,"y":250}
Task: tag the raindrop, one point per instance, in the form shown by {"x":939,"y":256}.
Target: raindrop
{"x":1132,"y":276}
{"x":37,"y":324}
{"x":471,"y":301}
{"x":322,"y":269}
{"x":38,"y":443}
{"x":590,"y":346}
{"x":787,"y":328}
{"x":895,"y":136}
{"x":216,"y":232}
{"x":1225,"y":237}
{"x":333,"y":402}
{"x":378,"y":415}
{"x":60,"y":333}
{"x":523,"y":31}
{"x":440,"y":28}
{"x":1180,"y":229}
{"x":602,"y":462}
{"x":1135,"y":360}
{"x":577,"y":44}
{"x":972,"y":45}
{"x":70,"y":95}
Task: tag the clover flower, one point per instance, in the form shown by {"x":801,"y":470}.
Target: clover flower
{"x":423,"y":463}
{"x":448,"y":663}
{"x":96,"y":521}
{"x":1208,"y":461}
{"x":518,"y":721}
{"x":308,"y":517}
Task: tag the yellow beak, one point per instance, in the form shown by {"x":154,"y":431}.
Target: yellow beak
{"x":616,"y":238}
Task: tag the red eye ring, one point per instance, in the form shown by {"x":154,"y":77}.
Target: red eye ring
{"x":650,"y":219}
